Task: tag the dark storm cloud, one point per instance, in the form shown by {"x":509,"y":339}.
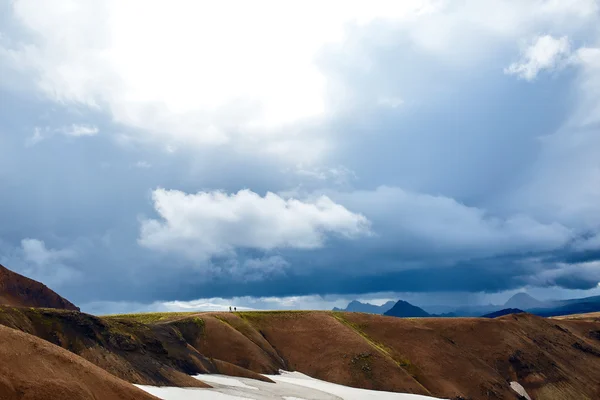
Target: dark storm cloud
{"x":482,"y":276}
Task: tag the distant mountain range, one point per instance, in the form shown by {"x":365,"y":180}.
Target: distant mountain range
{"x":357,"y":306}
{"x":520,"y":302}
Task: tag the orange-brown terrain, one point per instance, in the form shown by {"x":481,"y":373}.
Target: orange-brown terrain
{"x":445,"y":357}
{"x":458,"y":358}
{"x":471,"y":358}
{"x":31,"y":368}
{"x":17,"y":290}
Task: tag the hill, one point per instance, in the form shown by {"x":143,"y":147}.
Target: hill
{"x":31,"y":368}
{"x":501,"y":313}
{"x":441,"y":357}
{"x":357,"y":306}
{"x":19,"y":291}
{"x":523,"y":301}
{"x":405,"y":310}
{"x":152,"y":353}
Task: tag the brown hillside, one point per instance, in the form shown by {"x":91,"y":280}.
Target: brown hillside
{"x":19,"y":291}
{"x":474,"y":358}
{"x":147,"y":354}
{"x":466,"y":358}
{"x":31,"y":368}
{"x":319,"y":345}
{"x":230,"y":338}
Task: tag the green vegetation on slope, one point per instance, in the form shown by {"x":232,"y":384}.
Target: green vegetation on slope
{"x":151,"y":317}
{"x":402,"y":362}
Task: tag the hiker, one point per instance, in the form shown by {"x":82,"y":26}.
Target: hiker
{"x":234,"y":308}
{"x":229,"y":308}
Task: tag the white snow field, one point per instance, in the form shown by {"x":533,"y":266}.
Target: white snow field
{"x":288,"y":386}
{"x":516,"y":386}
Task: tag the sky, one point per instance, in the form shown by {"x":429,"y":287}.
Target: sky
{"x":186,"y":154}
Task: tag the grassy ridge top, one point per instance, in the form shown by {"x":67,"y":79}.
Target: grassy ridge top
{"x":150,"y":317}
{"x":160,"y":317}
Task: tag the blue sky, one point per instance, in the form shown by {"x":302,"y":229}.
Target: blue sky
{"x":165,"y":155}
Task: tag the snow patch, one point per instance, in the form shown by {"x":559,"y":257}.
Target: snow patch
{"x":225,"y":381}
{"x":516,"y":386}
{"x":287,"y":386}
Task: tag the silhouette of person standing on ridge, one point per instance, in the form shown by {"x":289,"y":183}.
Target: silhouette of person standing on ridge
{"x":234,"y":308}
{"x":229,"y":308}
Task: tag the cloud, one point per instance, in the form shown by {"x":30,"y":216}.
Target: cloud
{"x":143,"y":164}
{"x":35,"y":138}
{"x":584,"y":275}
{"x":80,"y":130}
{"x":313,"y":302}
{"x":391,"y":102}
{"x":418,"y":222}
{"x":395,"y":111}
{"x":74,"y":130}
{"x":256,"y":269}
{"x":339,"y":175}
{"x":35,"y":251}
{"x":216,"y":223}
{"x":563,"y":182}
{"x":544,"y":53}
{"x":194,"y":91}
{"x":179,"y":84}
{"x":589,"y":243}
{"x":588,"y":60}
{"x":35,"y":260}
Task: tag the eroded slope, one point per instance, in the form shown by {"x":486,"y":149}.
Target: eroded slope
{"x":31,"y":368}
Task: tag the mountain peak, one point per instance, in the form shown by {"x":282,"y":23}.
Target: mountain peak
{"x":405,"y":309}
{"x":19,"y":291}
{"x":523,"y":301}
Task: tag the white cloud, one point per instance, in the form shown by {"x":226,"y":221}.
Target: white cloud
{"x":309,"y":302}
{"x":206,"y":75}
{"x":35,"y":138}
{"x":390,"y":102}
{"x":47,"y":265}
{"x":216,"y":223}
{"x":211,"y":76}
{"x":544,"y":53}
{"x":143,"y":164}
{"x":338,"y":175}
{"x":35,"y":251}
{"x":79,"y":130}
{"x":419,"y":222}
{"x":74,"y":130}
